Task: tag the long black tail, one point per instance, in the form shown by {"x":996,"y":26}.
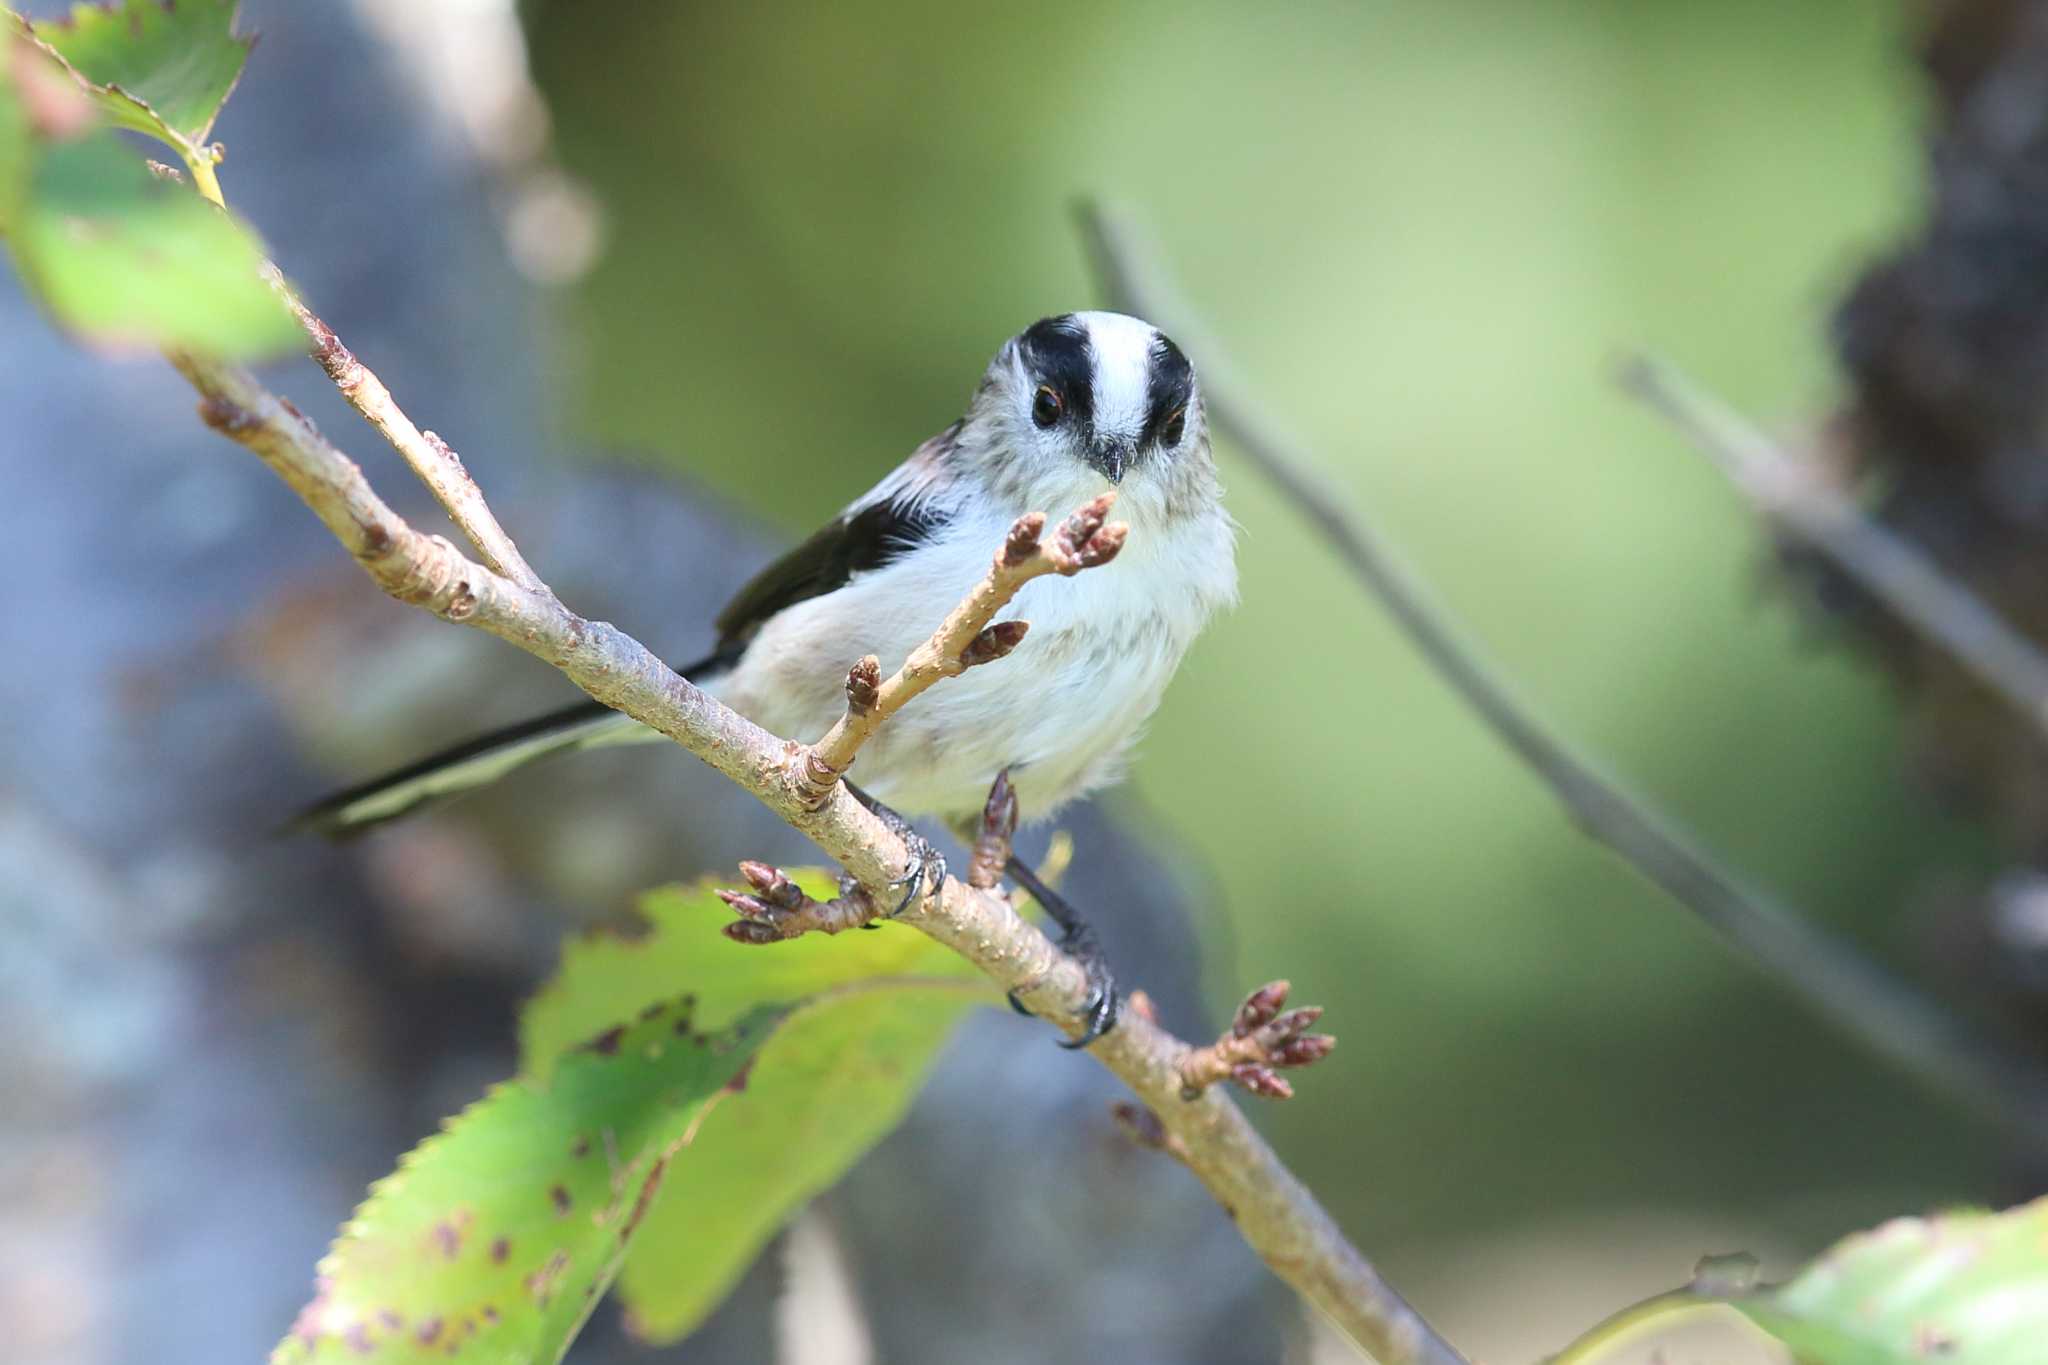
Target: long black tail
{"x":479,"y":762}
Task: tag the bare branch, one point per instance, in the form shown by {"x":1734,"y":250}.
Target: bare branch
{"x":1085,"y":540}
{"x":1273,"y":1211}
{"x":1867,"y":1004}
{"x":1894,"y":570}
{"x":430,"y":457}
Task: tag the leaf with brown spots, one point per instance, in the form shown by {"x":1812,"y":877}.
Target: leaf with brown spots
{"x":833,"y":1081}
{"x":495,"y":1238}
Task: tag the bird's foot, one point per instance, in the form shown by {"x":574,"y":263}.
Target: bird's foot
{"x":927,"y":870}
{"x":1077,"y":940}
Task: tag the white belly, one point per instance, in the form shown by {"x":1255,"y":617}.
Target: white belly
{"x":1061,"y":713}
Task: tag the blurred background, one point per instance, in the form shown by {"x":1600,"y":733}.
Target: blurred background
{"x":679,"y":281}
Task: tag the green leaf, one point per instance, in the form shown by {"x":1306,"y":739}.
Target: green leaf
{"x":833,"y":1081}
{"x":495,"y":1238}
{"x":121,"y":257}
{"x":159,"y":68}
{"x":1962,"y":1289}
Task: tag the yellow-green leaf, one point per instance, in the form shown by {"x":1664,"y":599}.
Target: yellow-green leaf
{"x":1964,"y":1288}
{"x":121,"y":257}
{"x":1961,"y":1288}
{"x":833,"y":1081}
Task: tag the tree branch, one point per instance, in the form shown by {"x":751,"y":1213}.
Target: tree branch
{"x":1891,"y":568}
{"x":430,"y":458}
{"x":1865,"y":1003}
{"x":1273,"y":1211}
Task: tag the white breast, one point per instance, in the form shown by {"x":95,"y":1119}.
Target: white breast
{"x":1061,"y":713}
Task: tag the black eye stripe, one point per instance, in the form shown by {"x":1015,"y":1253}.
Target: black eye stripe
{"x":1056,"y":352}
{"x":1169,"y":386}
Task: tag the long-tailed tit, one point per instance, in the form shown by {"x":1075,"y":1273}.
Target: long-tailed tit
{"x":1071,"y":406}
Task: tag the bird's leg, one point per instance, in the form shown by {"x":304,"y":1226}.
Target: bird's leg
{"x":1078,"y":941}
{"x":927,"y":866}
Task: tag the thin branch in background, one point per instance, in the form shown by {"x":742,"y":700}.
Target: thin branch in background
{"x":1892,"y":569}
{"x":1867,"y":1004}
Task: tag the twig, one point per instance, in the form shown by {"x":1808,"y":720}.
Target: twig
{"x":1863,"y":1001}
{"x":1274,"y":1212}
{"x":1260,"y":1042}
{"x":1895,"y":571}
{"x":431,"y":459}
{"x":965,"y":640}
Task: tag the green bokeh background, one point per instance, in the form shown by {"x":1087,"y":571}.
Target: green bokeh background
{"x":1426,"y":229}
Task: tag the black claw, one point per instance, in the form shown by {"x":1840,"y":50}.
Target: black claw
{"x":1102,"y":1013}
{"x":929,"y":867}
{"x":1103,"y":1001}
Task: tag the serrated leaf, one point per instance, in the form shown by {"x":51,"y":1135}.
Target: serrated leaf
{"x":495,"y":1238}
{"x":121,"y":257}
{"x":1961,"y":1288}
{"x":833,"y":1081}
{"x":159,"y":68}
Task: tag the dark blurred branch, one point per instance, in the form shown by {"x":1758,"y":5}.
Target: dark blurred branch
{"x":1893,"y":570}
{"x":1863,"y":1001}
{"x":1273,"y":1211}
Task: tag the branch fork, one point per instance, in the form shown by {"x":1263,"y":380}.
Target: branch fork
{"x":1087,"y":539}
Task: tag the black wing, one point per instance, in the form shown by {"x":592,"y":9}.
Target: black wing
{"x":865,"y":538}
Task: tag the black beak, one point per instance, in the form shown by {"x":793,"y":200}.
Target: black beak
{"x":1112,"y":457}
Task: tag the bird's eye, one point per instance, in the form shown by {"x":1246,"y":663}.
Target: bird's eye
{"x":1045,"y":408}
{"x":1175,"y":427}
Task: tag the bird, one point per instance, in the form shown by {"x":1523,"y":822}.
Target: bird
{"x":1072,"y":406}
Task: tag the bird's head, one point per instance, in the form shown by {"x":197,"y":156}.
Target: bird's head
{"x":1097,"y":395}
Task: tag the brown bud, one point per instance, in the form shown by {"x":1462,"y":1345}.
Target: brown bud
{"x":1022,"y":542}
{"x":226,"y":416}
{"x":993,"y":643}
{"x":1259,"y":1008}
{"x":1261,"y":1081}
{"x":752,"y":931}
{"x":1139,"y":1005}
{"x":864,"y":685}
{"x":1292,"y":1023}
{"x":1082,"y":524}
{"x":999,"y":812}
{"x":770,"y":882}
{"x":742,"y":903}
{"x":1101,"y":547}
{"x":1140,"y":1124}
{"x":1304,"y":1051}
